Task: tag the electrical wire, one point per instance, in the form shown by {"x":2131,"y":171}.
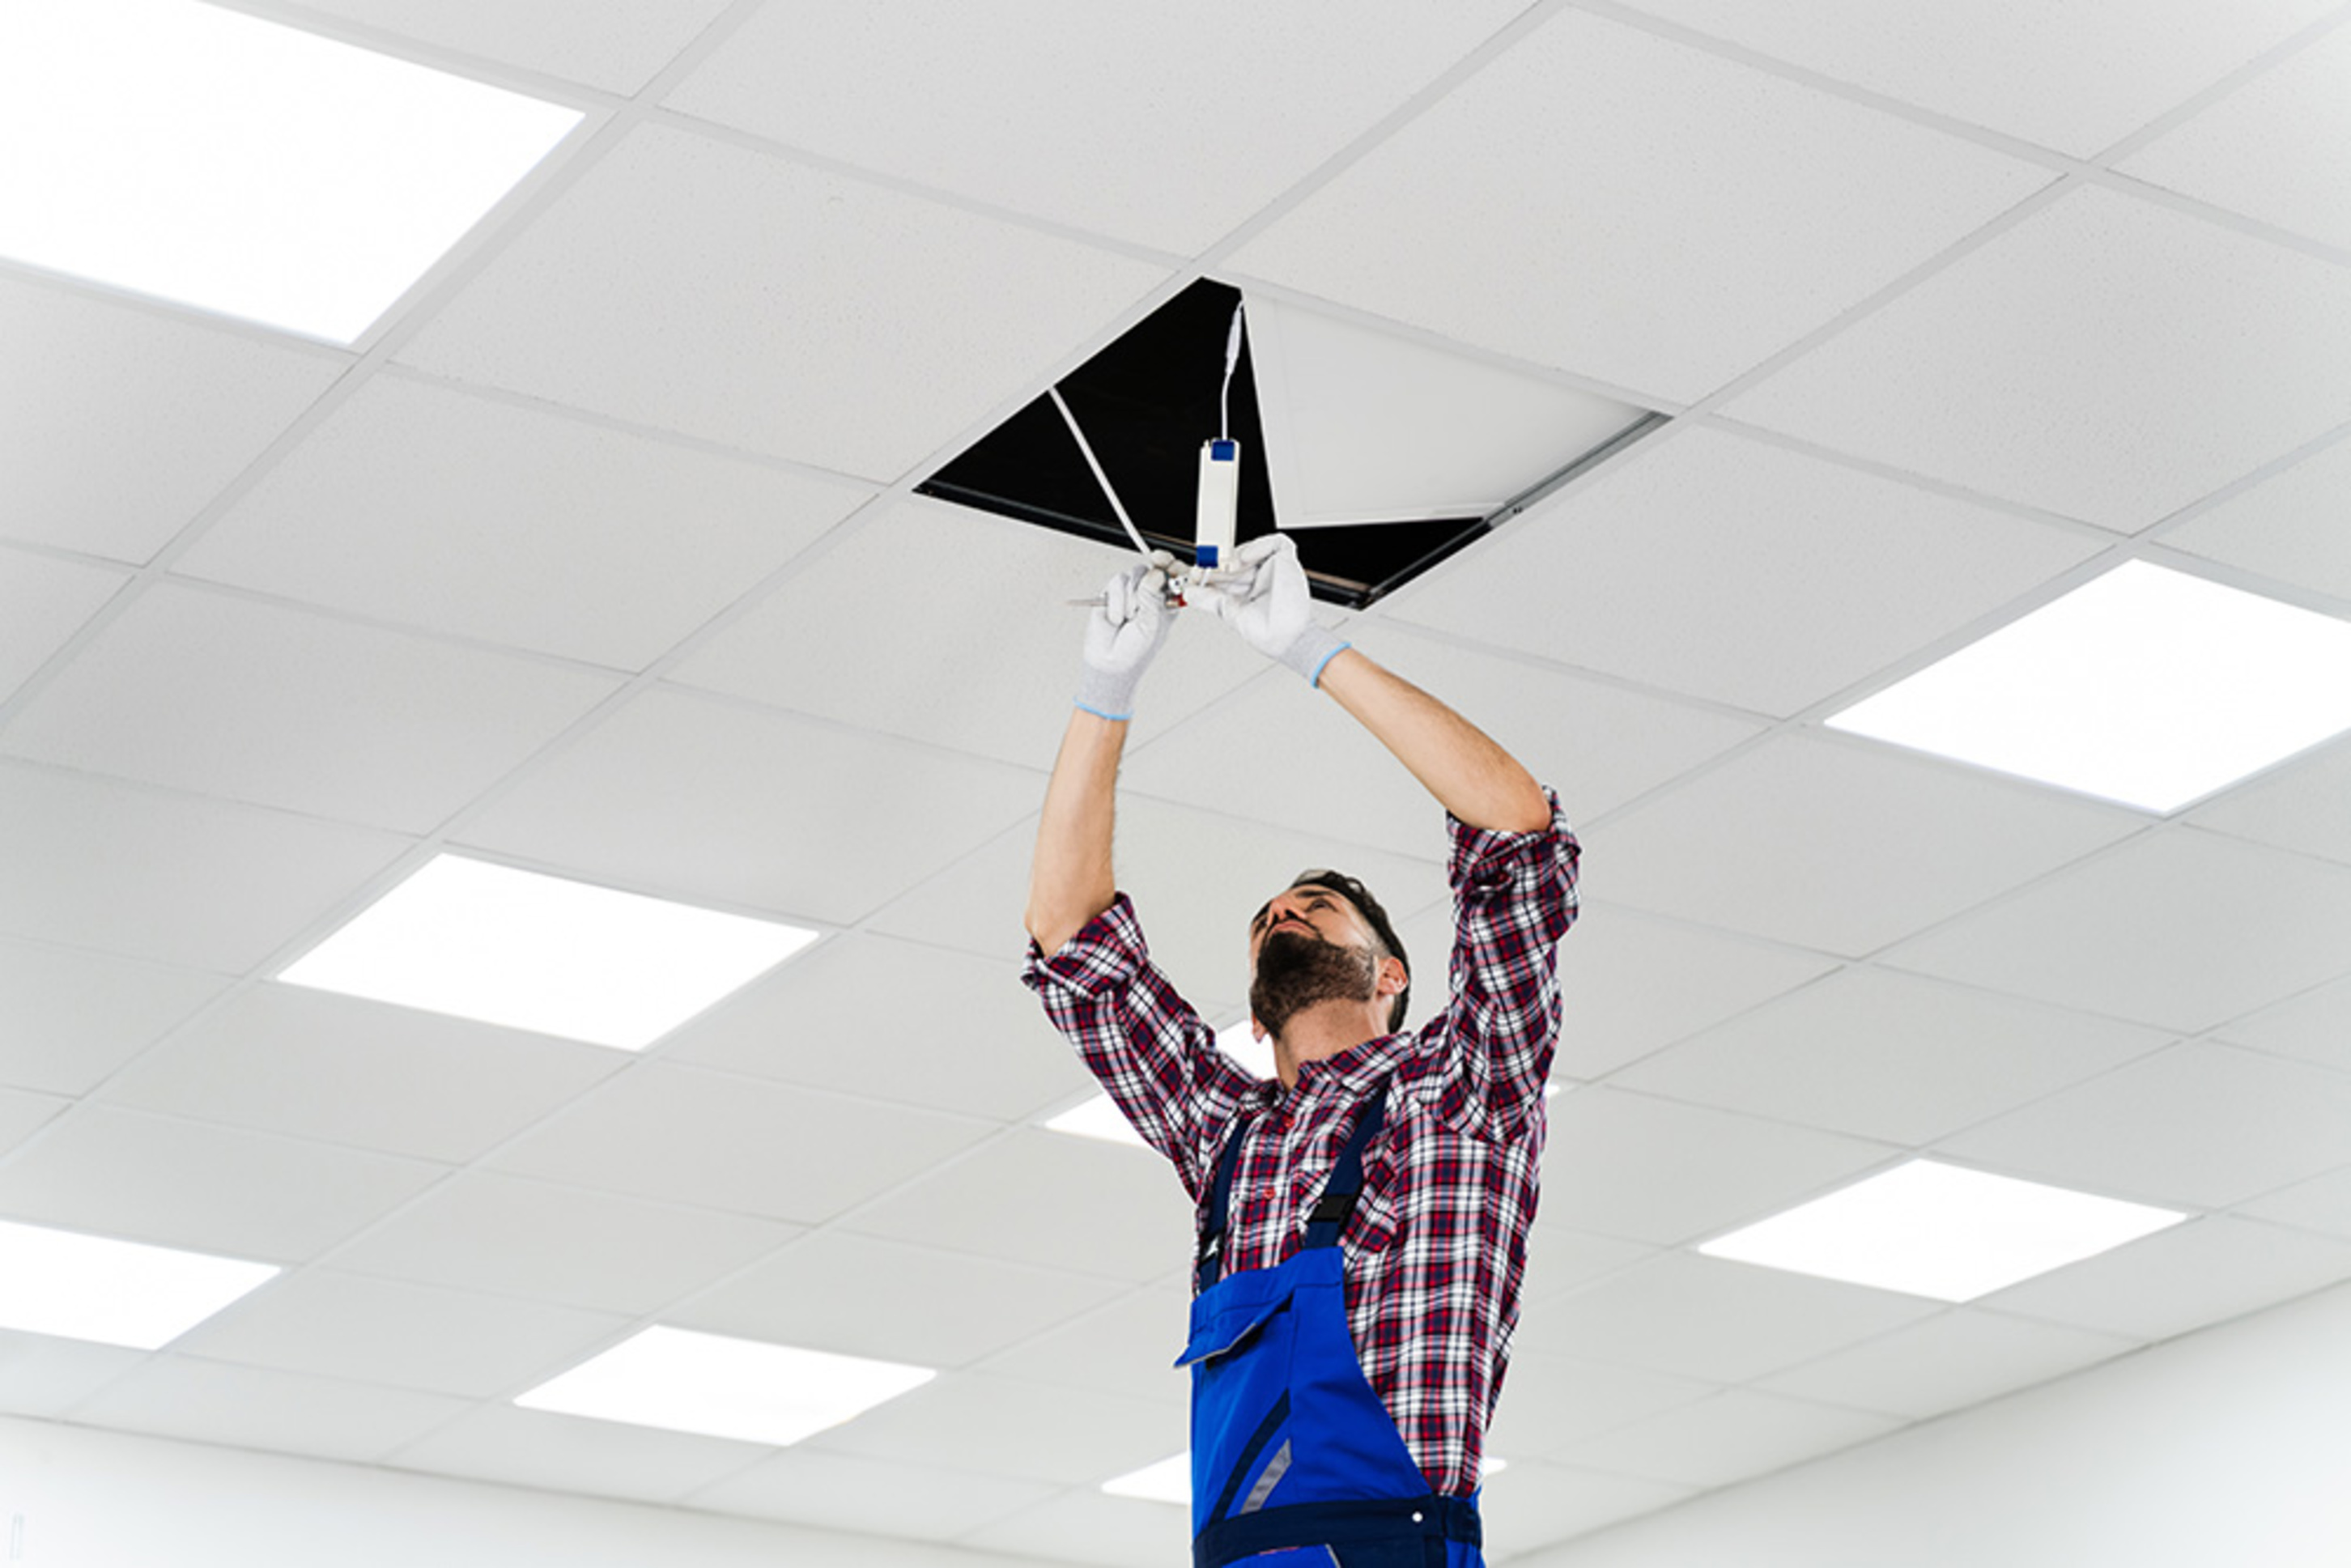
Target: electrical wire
{"x":1225,"y":396}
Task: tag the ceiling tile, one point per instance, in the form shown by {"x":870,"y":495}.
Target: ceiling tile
{"x":1728,"y":1437}
{"x":1560,"y":1259}
{"x":222,"y":697}
{"x":685,"y":1135}
{"x":840,"y":1491}
{"x":573,"y":1454}
{"x":409,"y":1336}
{"x":527,"y":527}
{"x":1539,"y":1503}
{"x":1135,"y":121}
{"x":1709,"y":213}
{"x":123,"y":423}
{"x":1630,"y":1166}
{"x":1962,"y":1357}
{"x":2289,"y":526}
{"x":2314,"y":1026}
{"x":743,"y":300}
{"x":1841,"y":847}
{"x":2077,"y":74}
{"x":945,"y":664}
{"x":1630,"y":983}
{"x":2296,"y":807}
{"x":2201,"y":1126}
{"x":43,"y":602}
{"x":283,"y":1059}
{"x":44,"y":1377}
{"x":1887,"y":1056}
{"x":22,"y":1114}
{"x":74,"y":1017}
{"x":1007,"y":1427}
{"x":1710,"y":563}
{"x":2186,"y":1278}
{"x":1598,"y":746}
{"x":1090,"y":1526}
{"x":855,"y":1295}
{"x":2106,"y":358}
{"x":2323,"y":1203}
{"x":2264,"y":149}
{"x":481,"y":1231}
{"x":210,"y":1189}
{"x":150,"y":875}
{"x":697,"y":797}
{"x":2180,"y":929}
{"x":252,"y":1407}
{"x":1128,"y":1347}
{"x":1719,"y":1322}
{"x":1050,"y":1199}
{"x":616,"y":44}
{"x":1552,"y":1401}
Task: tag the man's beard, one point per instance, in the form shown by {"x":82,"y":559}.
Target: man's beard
{"x":1296,"y":969}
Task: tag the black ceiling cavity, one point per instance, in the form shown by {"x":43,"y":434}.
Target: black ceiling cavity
{"x":1145,"y":403}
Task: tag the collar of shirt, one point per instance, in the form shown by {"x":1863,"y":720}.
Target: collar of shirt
{"x":1354,"y":1072}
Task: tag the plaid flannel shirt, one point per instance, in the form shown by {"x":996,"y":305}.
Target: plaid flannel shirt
{"x":1437,"y":1248}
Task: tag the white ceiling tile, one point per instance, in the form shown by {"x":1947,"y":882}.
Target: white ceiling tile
{"x":815,"y":1021}
{"x":283,"y":1059}
{"x":2266,"y":150}
{"x":1050,"y":1199}
{"x":1549,"y":1402}
{"x":1538,"y":1503}
{"x":1629,"y":1166}
{"x":1887,"y":1056}
{"x":222,"y":697}
{"x":573,"y":1454}
{"x":616,"y":44}
{"x":2322,"y":1203}
{"x":44,"y":1377}
{"x":684,"y":1136}
{"x":1128,"y":1347}
{"x":1560,"y":1259}
{"x":699,"y":797}
{"x":1726,"y":1323}
{"x":150,"y":875}
{"x":1728,"y":1437}
{"x":1090,"y":1526}
{"x":1007,"y":1427}
{"x":1630,"y":983}
{"x":2200,"y":1125}
{"x":525,"y":527}
{"x":2186,"y":1278}
{"x":43,"y":602}
{"x":2106,"y":358}
{"x":1710,"y":563}
{"x":23,"y":1114}
{"x":2179,"y":929}
{"x":1598,"y":746}
{"x":209,"y":1189}
{"x":124,"y":423}
{"x":2288,"y":526}
{"x":1138,"y":122}
{"x":933,"y":656}
{"x":693,"y":286}
{"x":74,"y":1017}
{"x":2314,"y":1027}
{"x":411,"y":1336}
{"x":855,"y":1295}
{"x":482,"y":1231}
{"x":1962,"y":1357}
{"x":840,"y":1491}
{"x":2297,"y":807}
{"x":1709,"y":213}
{"x":1840,"y":847}
{"x":2074,"y":75}
{"x":254,"y":1407}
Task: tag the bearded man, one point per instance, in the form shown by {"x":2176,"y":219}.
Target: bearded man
{"x":1363,"y":1216}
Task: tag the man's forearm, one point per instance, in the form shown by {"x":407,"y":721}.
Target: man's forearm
{"x":1071,"y":882}
{"x":1470,"y":776}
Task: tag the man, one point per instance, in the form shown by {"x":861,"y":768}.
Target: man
{"x":1363,"y":1217}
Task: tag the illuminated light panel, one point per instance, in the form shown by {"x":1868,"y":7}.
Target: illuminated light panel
{"x":209,"y":157}
{"x":113,"y":1292}
{"x":1170,"y":1480}
{"x":514,"y":948}
{"x":1932,"y":1230}
{"x":681,"y":1381}
{"x":1099,"y":1118}
{"x":2146,"y":686}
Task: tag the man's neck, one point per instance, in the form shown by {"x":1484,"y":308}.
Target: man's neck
{"x":1324,"y":1030}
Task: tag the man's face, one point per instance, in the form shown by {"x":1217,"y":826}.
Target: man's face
{"x":1309,"y":945}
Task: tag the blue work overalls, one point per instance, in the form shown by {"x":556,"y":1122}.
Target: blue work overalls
{"x":1291,"y":1451}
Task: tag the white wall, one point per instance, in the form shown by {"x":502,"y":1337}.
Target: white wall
{"x":106,"y":1500}
{"x":2228,"y":1449}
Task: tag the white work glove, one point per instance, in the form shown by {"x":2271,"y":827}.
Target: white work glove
{"x":1121,"y":634}
{"x":1266,"y":600}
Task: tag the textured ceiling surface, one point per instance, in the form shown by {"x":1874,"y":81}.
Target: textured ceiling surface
{"x":597,"y":555}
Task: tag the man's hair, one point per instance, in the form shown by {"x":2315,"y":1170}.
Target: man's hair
{"x":1356,"y":893}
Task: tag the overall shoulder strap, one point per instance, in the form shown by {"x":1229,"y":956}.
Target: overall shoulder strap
{"x":1209,"y":1265}
{"x":1337,"y":1204}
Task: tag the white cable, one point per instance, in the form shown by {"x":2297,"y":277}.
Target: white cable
{"x":1232,"y":358}
{"x":1100,"y":478}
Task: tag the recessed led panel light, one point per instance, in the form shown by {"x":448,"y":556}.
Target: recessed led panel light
{"x":115,"y":1292}
{"x":1098,"y":1117}
{"x":1932,"y":1230}
{"x":2148,"y":686}
{"x":210,"y":158}
{"x":682,"y":1381}
{"x":1170,"y":1480}
{"x":541,"y":953}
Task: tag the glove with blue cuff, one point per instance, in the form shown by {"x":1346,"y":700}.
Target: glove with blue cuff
{"x":1271,"y":606}
{"x":1121,"y":634}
